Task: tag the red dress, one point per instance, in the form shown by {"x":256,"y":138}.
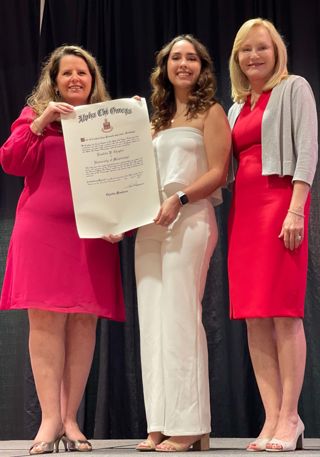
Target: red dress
{"x":48,"y":266}
{"x":265,"y":278}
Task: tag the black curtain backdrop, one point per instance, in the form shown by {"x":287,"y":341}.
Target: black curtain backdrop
{"x":124,"y":36}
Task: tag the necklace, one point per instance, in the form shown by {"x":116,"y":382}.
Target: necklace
{"x":178,"y":115}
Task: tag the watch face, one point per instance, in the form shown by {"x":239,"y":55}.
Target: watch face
{"x":184,"y":199}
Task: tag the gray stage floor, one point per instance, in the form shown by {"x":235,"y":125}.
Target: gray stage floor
{"x":218,"y":447}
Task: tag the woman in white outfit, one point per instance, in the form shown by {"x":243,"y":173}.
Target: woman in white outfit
{"x":192,"y":141}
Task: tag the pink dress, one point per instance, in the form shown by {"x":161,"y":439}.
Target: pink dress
{"x":48,"y":266}
{"x":265,"y":278}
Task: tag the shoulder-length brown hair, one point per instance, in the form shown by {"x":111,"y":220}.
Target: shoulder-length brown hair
{"x":202,"y":95}
{"x":240,"y":86}
{"x":45,"y":90}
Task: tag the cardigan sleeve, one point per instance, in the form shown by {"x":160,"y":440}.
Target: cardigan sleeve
{"x":22,"y":151}
{"x":305,"y":131}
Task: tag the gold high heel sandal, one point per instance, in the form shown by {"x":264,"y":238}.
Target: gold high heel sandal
{"x":76,"y":445}
{"x":202,"y":443}
{"x":45,"y":447}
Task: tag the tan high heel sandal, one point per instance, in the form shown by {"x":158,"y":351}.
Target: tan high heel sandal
{"x":201,"y":443}
{"x":149,"y":445}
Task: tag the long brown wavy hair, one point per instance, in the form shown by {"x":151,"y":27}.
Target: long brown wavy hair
{"x":45,"y":90}
{"x":202,"y":95}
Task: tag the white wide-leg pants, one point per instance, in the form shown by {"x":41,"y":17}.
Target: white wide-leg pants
{"x":171,"y":269}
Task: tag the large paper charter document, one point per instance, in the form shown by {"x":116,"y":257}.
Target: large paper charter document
{"x":112,"y":167}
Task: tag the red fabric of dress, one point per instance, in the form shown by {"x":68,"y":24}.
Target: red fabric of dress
{"x":48,"y":266}
{"x":265,"y":278}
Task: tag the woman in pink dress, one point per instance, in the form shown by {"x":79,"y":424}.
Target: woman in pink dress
{"x":274,"y":130}
{"x":63,"y":281}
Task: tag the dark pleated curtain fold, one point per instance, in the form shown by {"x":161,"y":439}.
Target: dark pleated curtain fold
{"x":19,"y":45}
{"x":124,"y":36}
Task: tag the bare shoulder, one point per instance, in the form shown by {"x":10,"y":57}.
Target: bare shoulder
{"x":215,"y":115}
{"x":216,"y":110}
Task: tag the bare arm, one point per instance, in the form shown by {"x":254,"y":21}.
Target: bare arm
{"x":292,"y":230}
{"x":52,"y":113}
{"x":217,"y":142}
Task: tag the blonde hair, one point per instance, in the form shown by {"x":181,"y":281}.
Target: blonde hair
{"x":202,"y":95}
{"x":45,"y":90}
{"x":240,"y":86}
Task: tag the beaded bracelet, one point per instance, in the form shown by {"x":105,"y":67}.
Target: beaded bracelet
{"x":295,"y":212}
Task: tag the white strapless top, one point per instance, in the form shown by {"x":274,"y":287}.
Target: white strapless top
{"x":181,"y":159}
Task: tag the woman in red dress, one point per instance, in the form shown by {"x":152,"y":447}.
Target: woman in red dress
{"x":274,"y":124}
{"x":65,"y":282}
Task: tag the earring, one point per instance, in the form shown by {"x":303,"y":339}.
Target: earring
{"x":57,"y":93}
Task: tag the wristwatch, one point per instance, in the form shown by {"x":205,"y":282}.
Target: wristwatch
{"x":182,"y":198}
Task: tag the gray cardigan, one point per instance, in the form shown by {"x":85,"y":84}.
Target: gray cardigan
{"x":289,"y":131}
